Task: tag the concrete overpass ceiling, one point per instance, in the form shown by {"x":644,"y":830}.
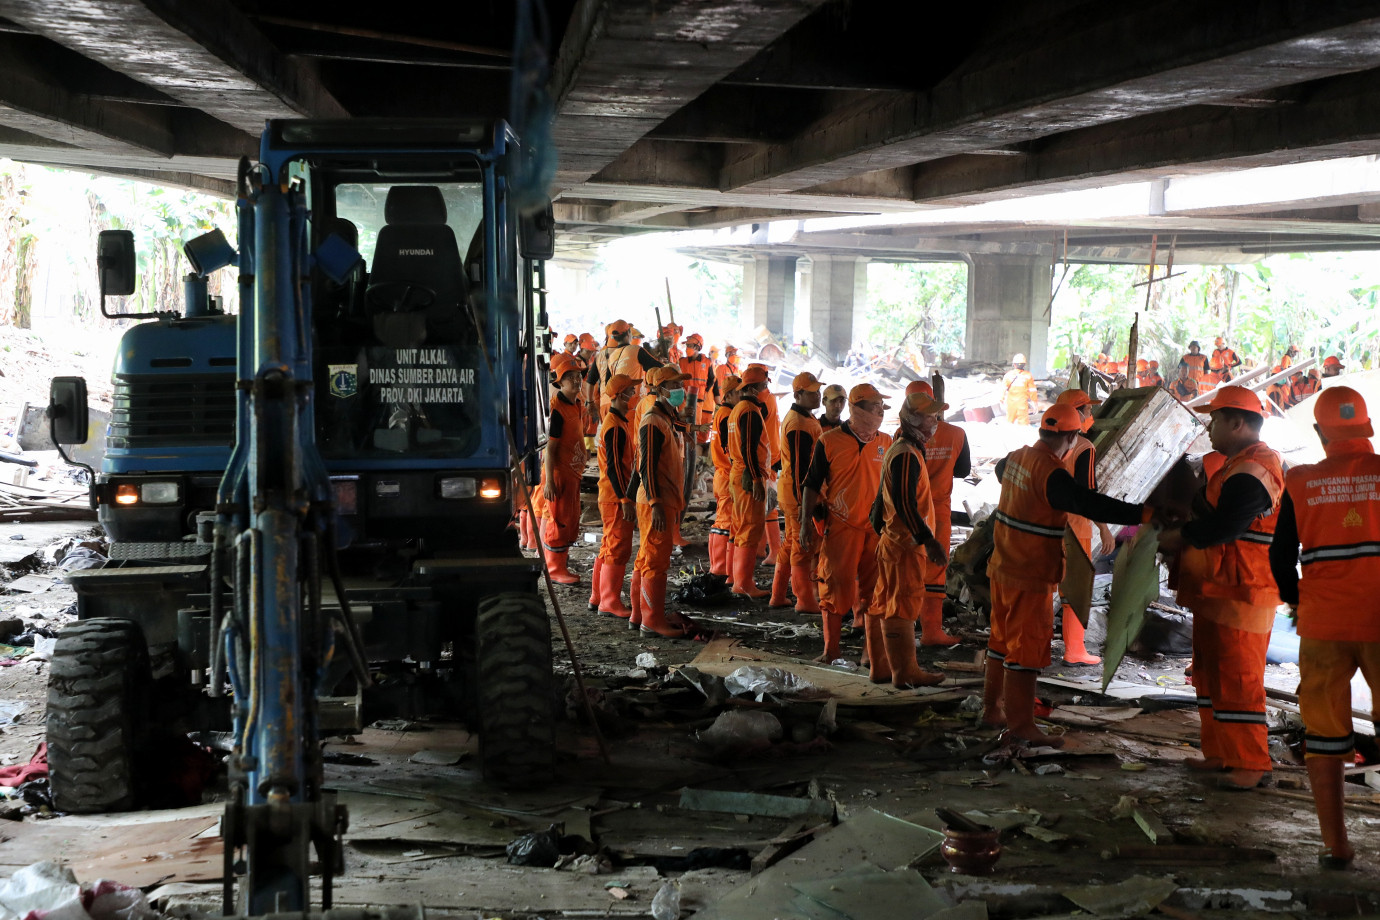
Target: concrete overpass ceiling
{"x":703,"y":114}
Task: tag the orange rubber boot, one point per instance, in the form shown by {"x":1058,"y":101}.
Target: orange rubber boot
{"x":654,"y":608}
{"x":744,"y":561}
{"x":635,"y":595}
{"x":898,"y":638}
{"x":610,"y":591}
{"x":774,"y":541}
{"x":1019,"y":700}
{"x":594,"y":596}
{"x":833,"y":632}
{"x":525,"y":530}
{"x":557,"y":565}
{"x":780,"y":578}
{"x":718,"y":554}
{"x":879,"y":671}
{"x":993,"y":684}
{"x":1074,"y":650}
{"x":1325,"y":775}
{"x":803,"y":584}
{"x":932,"y":623}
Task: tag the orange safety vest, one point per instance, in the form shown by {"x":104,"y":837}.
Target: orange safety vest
{"x":1304,"y":387}
{"x":735,"y":441}
{"x":664,"y":483}
{"x":1019,"y":385}
{"x":621,"y":465}
{"x":893,"y":525}
{"x":698,"y":368}
{"x":1081,"y":526}
{"x":1198,"y":371}
{"x":1184,"y":390}
{"x":786,"y":493}
{"x":942,"y":451}
{"x":1222,"y":361}
{"x":1028,"y":536}
{"x":718,"y":445}
{"x":570,"y":449}
{"x":855,"y":472}
{"x":1337,"y":509}
{"x":1151,"y":379}
{"x":1240,"y":570}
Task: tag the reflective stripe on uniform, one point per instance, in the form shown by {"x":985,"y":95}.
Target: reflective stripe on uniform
{"x":1250,"y":718}
{"x":934,"y":589}
{"x":1027,"y":527}
{"x":997,"y":655}
{"x":1204,"y":702}
{"x":1019,"y":667}
{"x":1317,"y":744}
{"x":1255,"y":536}
{"x":1347,"y":551}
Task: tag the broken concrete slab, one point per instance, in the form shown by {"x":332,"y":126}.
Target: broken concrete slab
{"x":1137,"y":895}
{"x":877,"y":894}
{"x":753,"y":803}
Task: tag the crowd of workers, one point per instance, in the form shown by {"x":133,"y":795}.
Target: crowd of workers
{"x":861,"y":527}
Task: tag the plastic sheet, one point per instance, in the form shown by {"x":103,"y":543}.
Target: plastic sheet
{"x":740,"y":727}
{"x":759,"y":682}
{"x":1135,"y":585}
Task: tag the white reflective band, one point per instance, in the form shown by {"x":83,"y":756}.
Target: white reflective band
{"x":1253,"y":718}
{"x":1018,"y":667}
{"x":934,"y":589}
{"x":1027,"y":527}
{"x":1318,"y":745}
{"x":997,"y":655}
{"x":1350,"y":551}
{"x":1255,"y":536}
{"x":1205,"y":702}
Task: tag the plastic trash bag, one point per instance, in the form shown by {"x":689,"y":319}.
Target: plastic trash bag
{"x":43,"y":886}
{"x":539,"y":848}
{"x":666,"y":903}
{"x":759,"y":682}
{"x":107,"y":900}
{"x":742,"y":727}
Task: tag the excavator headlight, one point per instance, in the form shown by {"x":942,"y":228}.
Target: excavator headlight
{"x":491,"y":488}
{"x":126,"y":493}
{"x":158,"y":493}
{"x":458,"y":487}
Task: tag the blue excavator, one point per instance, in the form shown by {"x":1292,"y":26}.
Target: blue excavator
{"x":309,"y":502}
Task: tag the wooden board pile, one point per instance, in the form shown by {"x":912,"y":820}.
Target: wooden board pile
{"x":49,"y":501}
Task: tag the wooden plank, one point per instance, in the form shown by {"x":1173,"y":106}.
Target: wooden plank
{"x":1139,"y":435}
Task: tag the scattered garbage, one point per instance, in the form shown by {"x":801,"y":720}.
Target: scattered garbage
{"x":1048,"y":769}
{"x":740,"y":728}
{"x":539,"y":848}
{"x":759,"y":682}
{"x":666,"y":903}
{"x":646,"y":660}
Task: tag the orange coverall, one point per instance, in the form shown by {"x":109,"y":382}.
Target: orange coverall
{"x":615,"y":445}
{"x":908,"y":519}
{"x":1019,"y":387}
{"x":751,"y":461}
{"x":566,"y":437}
{"x":799,"y":433}
{"x":721,"y":534}
{"x":846,"y":473}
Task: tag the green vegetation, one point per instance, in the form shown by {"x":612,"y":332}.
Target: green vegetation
{"x":928,"y":300}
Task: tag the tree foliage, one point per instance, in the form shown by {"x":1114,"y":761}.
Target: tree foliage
{"x":924,"y":303}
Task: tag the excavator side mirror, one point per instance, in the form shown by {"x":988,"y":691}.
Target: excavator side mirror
{"x":67,"y":409}
{"x":115,"y":263}
{"x":537,"y":234}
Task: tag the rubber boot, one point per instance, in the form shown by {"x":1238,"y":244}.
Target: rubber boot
{"x":744,"y":561}
{"x":1074,"y":651}
{"x":993,"y":687}
{"x":718,"y":554}
{"x":879,"y":671}
{"x":557,"y":564}
{"x":932,"y":623}
{"x":780,"y":578}
{"x":832,"y":628}
{"x":635,"y":595}
{"x":774,"y":540}
{"x":525,"y":530}
{"x":610,"y":591}
{"x":1018,"y":698}
{"x":806,"y":595}
{"x":1325,"y":775}
{"x":1245,"y":780}
{"x":898,"y":638}
{"x":594,"y":585}
{"x":654,"y":608}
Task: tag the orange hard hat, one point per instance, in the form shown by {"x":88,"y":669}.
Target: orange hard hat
{"x":1233,"y":398}
{"x":570,"y":337}
{"x":695,"y":339}
{"x":1154,"y":365}
{"x":924,"y":403}
{"x":618,"y":327}
{"x":1334,"y":361}
{"x":1062,"y":418}
{"x":805,"y":381}
{"x":1076,"y":398}
{"x":587,"y":341}
{"x":562,"y":364}
{"x":919,"y":386}
{"x":864,"y":392}
{"x":754,"y":374}
{"x":1219,"y":342}
{"x":1341,"y":414}
{"x":730,"y":383}
{"x":664,"y":374}
{"x":617,"y":384}
{"x":1142,"y":364}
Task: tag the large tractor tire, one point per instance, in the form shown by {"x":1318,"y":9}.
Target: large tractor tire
{"x":98,"y":699}
{"x":516,"y":713}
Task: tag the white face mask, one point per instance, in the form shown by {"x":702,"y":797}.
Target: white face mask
{"x":863,"y":423}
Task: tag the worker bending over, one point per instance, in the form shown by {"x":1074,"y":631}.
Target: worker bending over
{"x":563,"y":465}
{"x":946,"y":458}
{"x":721,"y":534}
{"x":1081,"y":461}
{"x":834,"y":398}
{"x":845,"y":473}
{"x":1018,"y":387}
{"x":1333,"y":510}
{"x":617,"y":502}
{"x":799,"y":434}
{"x":660,"y":498}
{"x":1223,"y":576}
{"x":907,"y":549}
{"x":1038,"y":493}
{"x":747,"y":482}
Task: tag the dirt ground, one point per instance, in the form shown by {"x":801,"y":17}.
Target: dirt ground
{"x":425,"y":828}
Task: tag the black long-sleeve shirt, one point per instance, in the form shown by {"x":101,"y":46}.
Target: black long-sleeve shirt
{"x":902,"y":479}
{"x":1243,"y":499}
{"x":964,"y":464}
{"x":1284,"y":551}
{"x":819,"y":462}
{"x":1064,"y":493}
{"x":645,"y":358}
{"x":750,"y":432}
{"x":615,"y":449}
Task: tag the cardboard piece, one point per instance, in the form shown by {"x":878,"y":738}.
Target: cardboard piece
{"x":1137,"y":895}
{"x":1135,"y":584}
{"x":1077,"y":587}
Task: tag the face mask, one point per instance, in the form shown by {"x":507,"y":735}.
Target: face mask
{"x":675,"y":397}
{"x":863,"y":423}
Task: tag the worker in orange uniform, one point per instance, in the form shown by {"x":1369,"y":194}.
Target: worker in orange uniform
{"x":721,"y":534}
{"x":1152,"y":376}
{"x":834,"y":399}
{"x":1223,"y":361}
{"x":799,"y":434}
{"x":660,"y":498}
{"x":1018,"y":389}
{"x":1289,"y":359}
{"x":907,"y":548}
{"x":1185,"y":388}
{"x":772,"y":525}
{"x":947,"y":458}
{"x":844,"y":474}
{"x":702,"y":383}
{"x":570,"y":344}
{"x":1332,"y":366}
{"x":1223,"y":572}
{"x":589,"y":392}
{"x":1197,"y":364}
{"x":1302,"y":386}
{"x":622,"y":356}
{"x":1038,"y":493}
{"x":563,"y":464}
{"x":1081,"y":461}
{"x":672,"y":333}
{"x":1333,"y":509}
{"x":617,"y":501}
{"x":751,"y":469}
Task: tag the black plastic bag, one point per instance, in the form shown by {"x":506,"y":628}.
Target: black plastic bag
{"x":539,"y":848}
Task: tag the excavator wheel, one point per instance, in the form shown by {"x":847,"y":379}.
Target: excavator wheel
{"x":516,"y":715}
{"x":98,"y":698}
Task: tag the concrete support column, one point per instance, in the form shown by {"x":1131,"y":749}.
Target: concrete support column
{"x":838,"y":302}
{"x":1007,"y":300}
{"x":769,"y":293}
